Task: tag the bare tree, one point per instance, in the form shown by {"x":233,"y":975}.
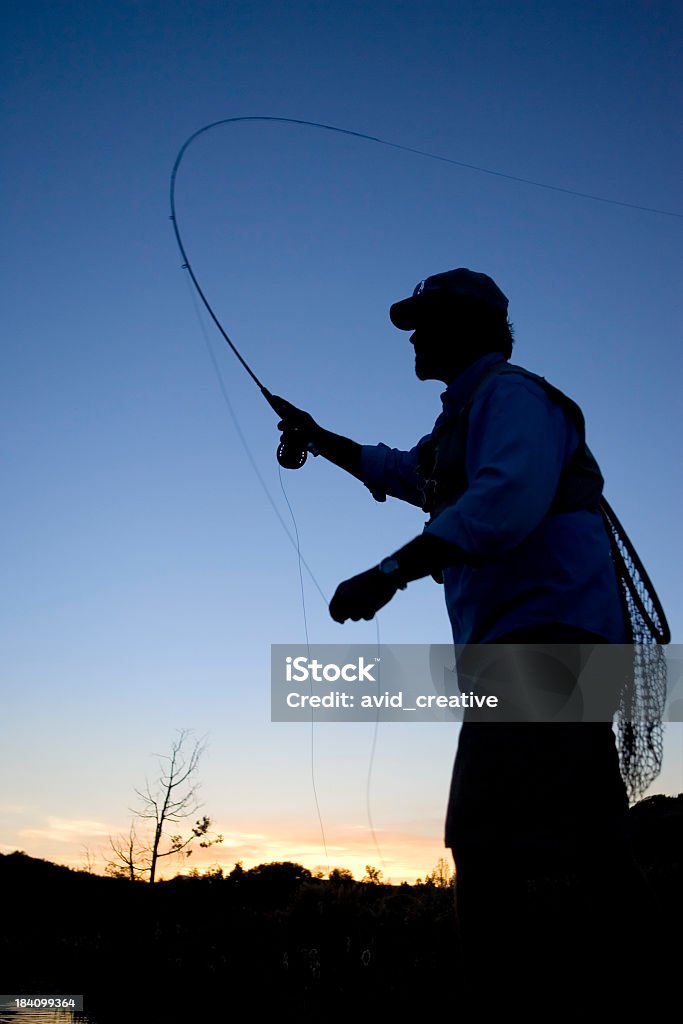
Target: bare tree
{"x":89,"y":859}
{"x":130,"y":856}
{"x":171,"y":799}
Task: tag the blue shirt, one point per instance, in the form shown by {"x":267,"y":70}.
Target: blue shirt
{"x":530,"y":567}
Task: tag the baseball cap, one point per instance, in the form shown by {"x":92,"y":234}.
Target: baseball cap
{"x":441,"y":292}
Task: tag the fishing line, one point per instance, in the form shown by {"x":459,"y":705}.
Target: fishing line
{"x":294,"y":540}
{"x":243,"y":441}
{"x":405,"y":149}
{"x":373,"y":749}
{"x":308,"y":654}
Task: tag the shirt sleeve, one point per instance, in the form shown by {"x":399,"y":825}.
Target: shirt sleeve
{"x":390,"y":471}
{"x":518,"y":442}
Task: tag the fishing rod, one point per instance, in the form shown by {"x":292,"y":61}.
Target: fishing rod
{"x":292,"y":450}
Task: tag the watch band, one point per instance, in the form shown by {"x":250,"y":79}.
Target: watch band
{"x":389,"y":567}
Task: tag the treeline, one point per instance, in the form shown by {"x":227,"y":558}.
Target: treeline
{"x":287,"y":942}
{"x":284,"y":940}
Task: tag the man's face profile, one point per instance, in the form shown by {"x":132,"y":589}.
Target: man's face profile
{"x":439,"y":350}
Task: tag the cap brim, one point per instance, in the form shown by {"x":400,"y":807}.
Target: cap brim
{"x":403,"y":314}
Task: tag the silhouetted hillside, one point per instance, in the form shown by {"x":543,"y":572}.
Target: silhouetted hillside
{"x":289,"y":941}
{"x":293,"y":945}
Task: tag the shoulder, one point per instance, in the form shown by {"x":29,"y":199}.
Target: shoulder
{"x":516,"y":381}
{"x":516,"y":401}
{"x":515,"y":384}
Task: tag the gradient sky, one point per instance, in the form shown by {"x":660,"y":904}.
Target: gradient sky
{"x":145,"y":573}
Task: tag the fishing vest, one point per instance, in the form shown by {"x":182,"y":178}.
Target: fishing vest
{"x":442,"y":464}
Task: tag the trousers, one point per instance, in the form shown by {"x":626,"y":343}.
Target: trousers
{"x":547,"y":890}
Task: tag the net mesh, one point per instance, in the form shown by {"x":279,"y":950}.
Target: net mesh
{"x":639,"y":730}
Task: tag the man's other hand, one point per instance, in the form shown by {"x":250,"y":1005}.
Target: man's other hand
{"x":362,"y":596}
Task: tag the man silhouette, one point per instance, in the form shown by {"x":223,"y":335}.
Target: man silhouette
{"x":537,"y":816}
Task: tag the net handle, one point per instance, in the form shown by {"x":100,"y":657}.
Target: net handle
{"x":658,"y":626}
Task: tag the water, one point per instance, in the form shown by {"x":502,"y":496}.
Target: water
{"x":45,"y":1017}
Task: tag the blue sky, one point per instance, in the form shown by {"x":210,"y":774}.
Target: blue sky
{"x":146,"y":574}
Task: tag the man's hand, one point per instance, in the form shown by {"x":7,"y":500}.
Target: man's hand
{"x":342,"y":451}
{"x":294,"y":419}
{"x":362,"y":596}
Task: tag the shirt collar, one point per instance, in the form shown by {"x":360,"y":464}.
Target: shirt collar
{"x":461,"y":386}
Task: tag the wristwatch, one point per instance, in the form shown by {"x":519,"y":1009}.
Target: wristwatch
{"x":388,"y":567}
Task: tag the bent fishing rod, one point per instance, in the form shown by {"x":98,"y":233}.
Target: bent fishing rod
{"x":292,"y":450}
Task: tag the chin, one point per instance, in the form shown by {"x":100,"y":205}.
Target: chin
{"x":423,"y":372}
